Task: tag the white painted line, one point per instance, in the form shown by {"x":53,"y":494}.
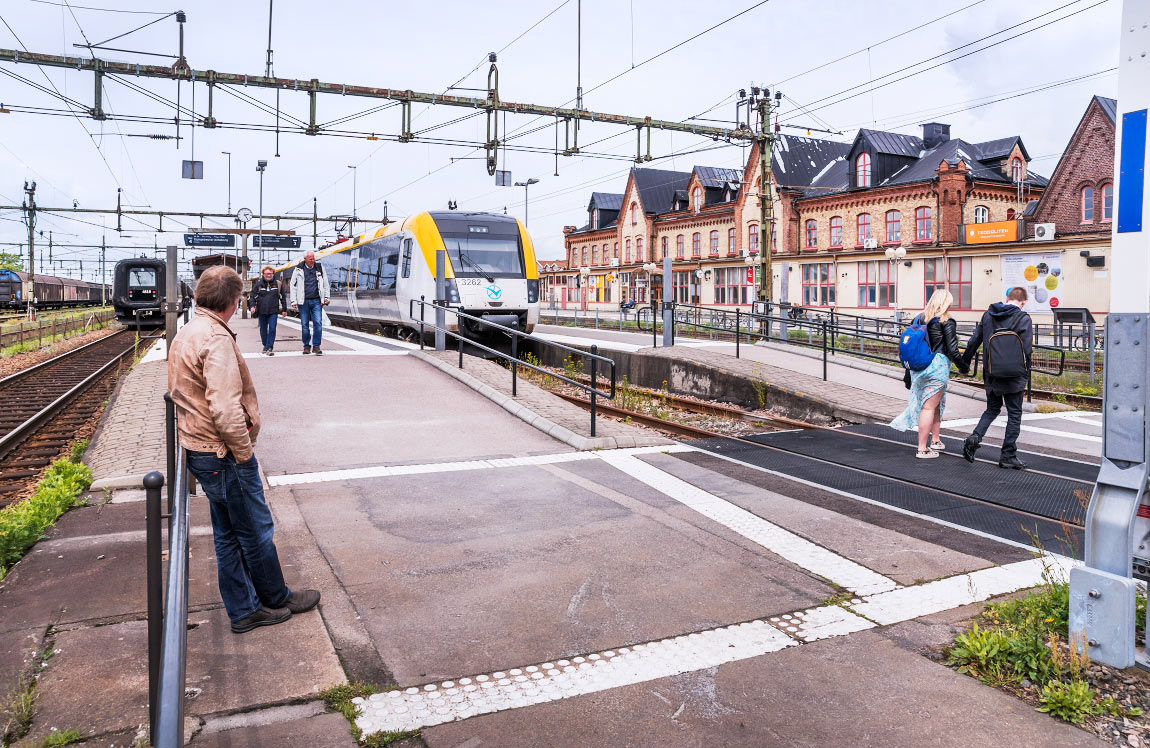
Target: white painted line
{"x":1085,"y":421}
{"x":360,"y":352}
{"x":1026,"y":418}
{"x":799,"y":551}
{"x":934,"y":597}
{"x":607,"y":345}
{"x":383,"y":471}
{"x":438,"y":703}
{"x":449,"y":701}
{"x":343,"y":332}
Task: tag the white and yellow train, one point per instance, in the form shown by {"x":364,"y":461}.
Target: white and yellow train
{"x":490,"y":271}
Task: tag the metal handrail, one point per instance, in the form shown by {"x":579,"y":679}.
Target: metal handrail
{"x":592,"y":390}
{"x":169,"y":732}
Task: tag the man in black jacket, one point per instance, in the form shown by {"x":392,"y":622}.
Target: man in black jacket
{"x":1002,"y":317}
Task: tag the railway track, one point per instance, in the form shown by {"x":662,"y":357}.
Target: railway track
{"x":46,"y":405}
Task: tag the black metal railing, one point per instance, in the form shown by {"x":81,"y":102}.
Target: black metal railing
{"x":593,"y":358}
{"x":168,"y":608}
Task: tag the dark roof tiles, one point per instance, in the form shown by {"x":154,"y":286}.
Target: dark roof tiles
{"x":797,"y":161}
{"x":1110,"y":106}
{"x":607,"y":200}
{"x":894,"y":143}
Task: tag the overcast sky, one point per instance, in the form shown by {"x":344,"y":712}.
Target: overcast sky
{"x":428,"y":46}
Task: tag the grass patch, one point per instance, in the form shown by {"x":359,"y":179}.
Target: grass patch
{"x":339,"y":699}
{"x":23,"y":524}
{"x":1025,"y":642}
{"x":16,"y":713}
{"x":61,"y":737}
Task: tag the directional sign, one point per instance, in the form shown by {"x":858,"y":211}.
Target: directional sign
{"x":209,"y":240}
{"x":277,"y":242}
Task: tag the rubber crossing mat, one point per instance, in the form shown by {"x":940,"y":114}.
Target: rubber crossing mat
{"x":1084,"y":470}
{"x":998,"y":521}
{"x":1034,"y":493}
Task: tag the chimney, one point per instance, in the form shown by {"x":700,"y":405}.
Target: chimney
{"x":934,"y":133}
{"x":952,"y":195}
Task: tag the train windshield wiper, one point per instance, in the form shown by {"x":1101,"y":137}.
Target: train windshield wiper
{"x":465,"y":258}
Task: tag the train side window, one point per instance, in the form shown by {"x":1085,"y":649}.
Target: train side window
{"x":388,"y":273}
{"x":407,"y":258}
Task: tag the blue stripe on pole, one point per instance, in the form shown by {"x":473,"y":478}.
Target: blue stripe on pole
{"x":1132,"y":168}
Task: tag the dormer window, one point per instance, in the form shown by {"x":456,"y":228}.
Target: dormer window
{"x":594,"y":218}
{"x":1016,"y":169}
{"x":697,"y":199}
{"x":862,"y":170}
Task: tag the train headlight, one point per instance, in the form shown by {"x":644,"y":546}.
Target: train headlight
{"x":532,"y":291}
{"x":452,"y":291}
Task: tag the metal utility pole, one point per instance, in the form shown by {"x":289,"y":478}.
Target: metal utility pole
{"x":1103,"y":592}
{"x":765,"y":139}
{"x":229,"y":155}
{"x":268,"y":73}
{"x":354,"y":198}
{"x":261,"y":165}
{"x":103,"y":278}
{"x":525,"y":186}
{"x":30,"y":218}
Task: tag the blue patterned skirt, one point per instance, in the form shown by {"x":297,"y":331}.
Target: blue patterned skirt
{"x":924,"y":385}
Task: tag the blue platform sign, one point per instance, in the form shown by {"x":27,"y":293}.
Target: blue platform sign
{"x":1132,"y":168}
{"x":209,"y":240}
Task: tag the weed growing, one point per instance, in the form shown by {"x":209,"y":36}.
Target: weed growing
{"x":24,"y":523}
{"x":16,"y":712}
{"x":1024,"y":644}
{"x":339,"y":698}
{"x":61,"y":737}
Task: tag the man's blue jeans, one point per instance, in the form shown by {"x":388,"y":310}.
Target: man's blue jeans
{"x":268,"y":330}
{"x":247,"y":564}
{"x":311,"y":312}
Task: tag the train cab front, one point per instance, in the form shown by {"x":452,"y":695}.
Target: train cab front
{"x":136,"y":295}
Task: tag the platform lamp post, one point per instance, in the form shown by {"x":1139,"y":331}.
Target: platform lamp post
{"x":584,"y":274}
{"x":894,"y":256}
{"x":229,"y":155}
{"x":354,"y":199}
{"x":261,"y":166}
{"x":525,"y":186}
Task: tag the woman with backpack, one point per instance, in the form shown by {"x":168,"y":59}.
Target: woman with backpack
{"x":927,"y":349}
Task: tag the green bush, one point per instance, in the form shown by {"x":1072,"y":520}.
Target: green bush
{"x":24,"y":523}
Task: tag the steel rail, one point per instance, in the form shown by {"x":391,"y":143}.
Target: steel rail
{"x":56,"y":359}
{"x":18,"y":435}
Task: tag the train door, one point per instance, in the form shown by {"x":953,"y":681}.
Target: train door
{"x":353,"y":283}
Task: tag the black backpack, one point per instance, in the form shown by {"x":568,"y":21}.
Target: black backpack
{"x":1005,"y":355}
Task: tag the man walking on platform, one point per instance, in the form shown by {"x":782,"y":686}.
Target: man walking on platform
{"x":310,"y":294}
{"x":1007,"y":341}
{"x":218,"y":422}
{"x":267,"y":300}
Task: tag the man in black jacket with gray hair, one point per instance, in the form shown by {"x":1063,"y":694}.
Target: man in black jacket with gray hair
{"x":1007,"y":340}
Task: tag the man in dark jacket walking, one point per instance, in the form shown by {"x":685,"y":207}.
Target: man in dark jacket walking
{"x":267,"y":300}
{"x":1008,"y":353}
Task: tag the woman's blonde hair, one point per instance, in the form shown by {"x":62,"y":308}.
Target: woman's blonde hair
{"x":938,"y":306}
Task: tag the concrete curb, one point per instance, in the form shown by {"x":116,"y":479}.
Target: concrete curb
{"x":525,"y":414}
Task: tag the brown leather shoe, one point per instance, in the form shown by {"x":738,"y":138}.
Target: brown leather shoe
{"x":262,"y":617}
{"x":302,"y":601}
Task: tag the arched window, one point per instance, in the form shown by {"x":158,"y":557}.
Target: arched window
{"x":714,"y":243}
{"x":594,"y":254}
{"x":1108,"y":203}
{"x":812,"y":234}
{"x":696,"y":243}
{"x":679,"y":247}
{"x":697,"y":199}
{"x":639,"y":249}
{"x":922,"y":231}
{"x":862,"y":170}
{"x":753,"y":238}
{"x":594,"y":218}
{"x":627,"y":251}
{"x":1088,"y":204}
{"x":981,"y":214}
{"x":837,"y":231}
{"x":615,"y":252}
{"x":584,"y":256}
{"x":634,"y":214}
{"x":663,"y":245}
{"x":731,"y":241}
{"x":1016,"y":169}
{"x":863,"y":228}
{"x":1010,"y":214}
{"x":893,"y":226}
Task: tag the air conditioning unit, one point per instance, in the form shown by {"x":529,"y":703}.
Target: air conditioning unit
{"x":1043,"y":232}
{"x":744,"y":253}
{"x":614,"y":262}
{"x":871,"y":243}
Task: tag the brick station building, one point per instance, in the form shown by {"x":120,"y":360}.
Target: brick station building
{"x":968,"y":216}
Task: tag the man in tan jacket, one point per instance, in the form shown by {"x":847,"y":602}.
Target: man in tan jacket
{"x":218,"y":421}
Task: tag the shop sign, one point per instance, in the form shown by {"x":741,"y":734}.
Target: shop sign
{"x":991,"y":233}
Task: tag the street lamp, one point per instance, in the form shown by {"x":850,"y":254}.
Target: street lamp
{"x":525,"y":185}
{"x":261,"y":166}
{"x":354,"y":201}
{"x":229,"y":155}
{"x":894,"y":256}
{"x":584,"y":273}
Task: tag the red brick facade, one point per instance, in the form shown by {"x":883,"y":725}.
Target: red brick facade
{"x":1087,"y":162}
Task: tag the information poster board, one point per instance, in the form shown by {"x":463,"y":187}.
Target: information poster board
{"x":1041,"y":276}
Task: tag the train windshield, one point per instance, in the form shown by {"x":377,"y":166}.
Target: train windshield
{"x":142,"y":278}
{"x":481,"y":253}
